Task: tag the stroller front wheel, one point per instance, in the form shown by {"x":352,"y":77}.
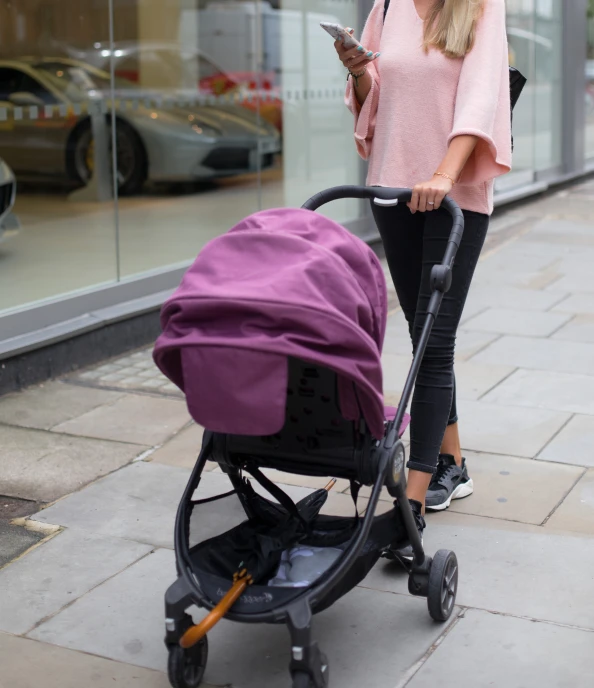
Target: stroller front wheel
{"x":443,"y":585}
{"x":185,"y":668}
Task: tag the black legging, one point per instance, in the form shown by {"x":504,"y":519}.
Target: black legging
{"x":413,"y":244}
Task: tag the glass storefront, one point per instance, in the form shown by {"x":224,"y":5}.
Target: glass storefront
{"x":589,"y":94}
{"x":203,"y":112}
{"x":137,"y":130}
{"x":534,"y":29}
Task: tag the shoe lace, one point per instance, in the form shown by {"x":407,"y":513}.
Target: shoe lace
{"x":440,"y":475}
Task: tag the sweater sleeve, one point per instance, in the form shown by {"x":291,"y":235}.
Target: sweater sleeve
{"x":365,"y":115}
{"x":483,"y":100}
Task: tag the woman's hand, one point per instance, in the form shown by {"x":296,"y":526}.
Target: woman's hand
{"x":429,"y":195}
{"x":354,"y":59}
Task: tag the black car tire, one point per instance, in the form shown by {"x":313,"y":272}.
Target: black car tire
{"x":132,"y":159}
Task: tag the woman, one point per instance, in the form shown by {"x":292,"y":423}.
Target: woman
{"x":429,"y":89}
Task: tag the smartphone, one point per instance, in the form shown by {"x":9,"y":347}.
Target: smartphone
{"x":340,"y":34}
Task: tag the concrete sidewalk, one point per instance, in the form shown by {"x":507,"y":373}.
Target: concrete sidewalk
{"x":99,"y":461}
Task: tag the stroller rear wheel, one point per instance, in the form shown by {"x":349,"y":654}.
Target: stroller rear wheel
{"x":186,"y":668}
{"x":443,"y":585}
{"x":303,"y":680}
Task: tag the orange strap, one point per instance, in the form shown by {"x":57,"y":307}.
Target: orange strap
{"x":194,"y":634}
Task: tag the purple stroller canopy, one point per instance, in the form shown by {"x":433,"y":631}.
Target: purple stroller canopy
{"x":282,"y":283}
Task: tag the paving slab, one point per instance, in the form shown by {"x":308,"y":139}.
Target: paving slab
{"x":521,"y":322}
{"x":26,"y":663}
{"x":140,"y":503}
{"x":139,"y":419}
{"x":579,"y":303}
{"x":539,"y":354}
{"x":50,"y":404}
{"x":131,"y":372}
{"x":58,"y":572}
{"x":494,"y":276}
{"x":14,"y":540}
{"x":514,"y":489}
{"x":576,"y":513}
{"x":182,"y":450}
{"x":520,"y":257}
{"x":468,"y":342}
{"x":485,"y":650}
{"x":509,"y":568}
{"x":513,"y":431}
{"x":580,"y":329}
{"x":43,"y":466}
{"x":487,"y":296}
{"x":562,"y":231}
{"x":123,"y":620}
{"x":546,"y":389}
{"x":473,"y":380}
{"x":574,"y":444}
{"x":579,"y":279}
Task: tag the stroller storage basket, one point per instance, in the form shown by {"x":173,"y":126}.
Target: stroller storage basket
{"x":331,"y":424}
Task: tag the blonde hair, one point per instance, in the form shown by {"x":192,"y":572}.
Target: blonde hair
{"x":450,"y":26}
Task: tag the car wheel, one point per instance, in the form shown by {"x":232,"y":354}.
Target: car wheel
{"x":131,"y":157}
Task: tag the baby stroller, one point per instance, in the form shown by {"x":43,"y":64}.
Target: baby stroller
{"x":275,"y":337}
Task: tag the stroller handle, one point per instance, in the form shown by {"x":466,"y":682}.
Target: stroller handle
{"x":382,"y":193}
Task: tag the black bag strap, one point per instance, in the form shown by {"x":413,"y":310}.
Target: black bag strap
{"x":355,"y":488}
{"x":281,"y":497}
{"x":386,"y":5}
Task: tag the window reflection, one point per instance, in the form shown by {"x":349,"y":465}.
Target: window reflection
{"x":589,"y":94}
{"x":535,"y":39}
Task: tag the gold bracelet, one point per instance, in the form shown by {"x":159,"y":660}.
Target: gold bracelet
{"x":445,"y":176}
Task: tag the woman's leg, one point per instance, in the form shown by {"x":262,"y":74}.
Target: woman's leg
{"x":434,"y":428}
{"x":402,"y":237}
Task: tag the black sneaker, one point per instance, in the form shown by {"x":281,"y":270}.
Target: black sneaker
{"x":403,"y":551}
{"x":449,"y":482}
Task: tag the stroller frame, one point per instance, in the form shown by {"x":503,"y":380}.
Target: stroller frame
{"x":376,"y":463}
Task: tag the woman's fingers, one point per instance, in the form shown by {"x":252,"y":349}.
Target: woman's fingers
{"x":414,"y":201}
{"x":354,"y":57}
{"x":423,"y":198}
{"x":357,"y":63}
{"x":439,"y":199}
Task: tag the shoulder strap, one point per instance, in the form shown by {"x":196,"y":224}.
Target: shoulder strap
{"x":386,"y":5}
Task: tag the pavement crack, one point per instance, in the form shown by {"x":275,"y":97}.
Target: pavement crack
{"x":90,"y":590}
{"x":497,"y":384}
{"x":415,"y":668}
{"x":564,"y":497}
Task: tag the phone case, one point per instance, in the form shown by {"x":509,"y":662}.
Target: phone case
{"x":340,"y":34}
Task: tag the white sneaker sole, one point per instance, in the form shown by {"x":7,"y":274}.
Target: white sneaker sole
{"x":463,"y":490}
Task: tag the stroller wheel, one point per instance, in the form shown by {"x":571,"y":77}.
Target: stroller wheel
{"x":301,"y":679}
{"x":443,"y":585}
{"x":186,"y":668}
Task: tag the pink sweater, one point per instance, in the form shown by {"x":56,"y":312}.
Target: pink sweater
{"x":420,"y":101}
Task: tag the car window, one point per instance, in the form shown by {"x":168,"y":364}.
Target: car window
{"x":9,"y":82}
{"x":77,"y":82}
{"x":13,"y":81}
{"x":31,"y":85}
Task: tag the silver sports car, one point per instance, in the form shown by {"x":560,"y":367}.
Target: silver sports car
{"x":9,"y":223}
{"x":45,"y":127}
